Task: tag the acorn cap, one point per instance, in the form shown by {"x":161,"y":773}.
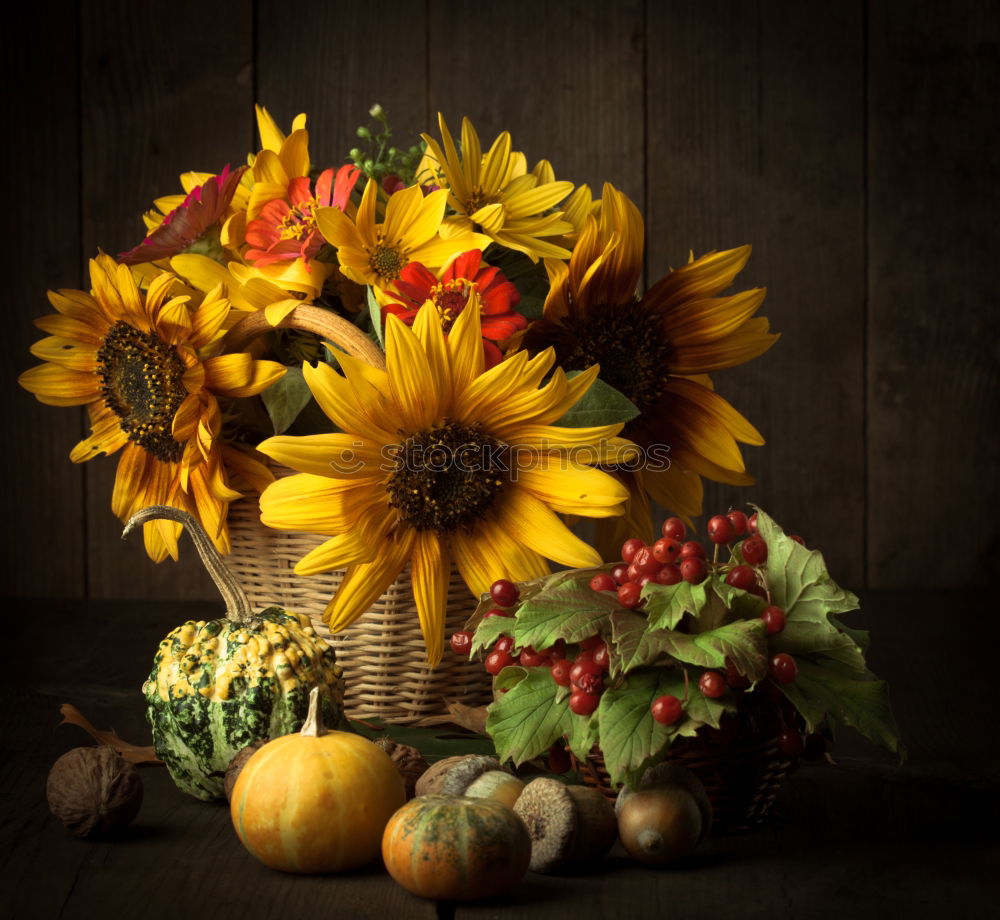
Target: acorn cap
{"x":567,"y":824}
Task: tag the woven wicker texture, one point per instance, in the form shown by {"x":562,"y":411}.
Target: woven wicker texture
{"x":382,"y":653}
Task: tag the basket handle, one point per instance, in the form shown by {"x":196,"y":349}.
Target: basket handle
{"x":308,"y":318}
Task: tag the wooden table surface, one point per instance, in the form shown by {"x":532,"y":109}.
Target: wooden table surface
{"x":863,"y":838}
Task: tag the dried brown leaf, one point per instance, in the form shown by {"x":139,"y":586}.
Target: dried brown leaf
{"x":133,"y":753}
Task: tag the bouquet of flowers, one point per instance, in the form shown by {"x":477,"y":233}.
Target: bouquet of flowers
{"x":495,"y":370}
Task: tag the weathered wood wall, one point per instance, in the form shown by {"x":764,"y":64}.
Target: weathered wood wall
{"x":854,"y":144}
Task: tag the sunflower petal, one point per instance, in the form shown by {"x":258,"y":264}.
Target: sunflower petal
{"x":430,"y":568}
{"x":529,"y":521}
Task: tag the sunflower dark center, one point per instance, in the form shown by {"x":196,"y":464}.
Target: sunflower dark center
{"x":627,"y":342}
{"x":447,"y":477}
{"x":141,"y":383}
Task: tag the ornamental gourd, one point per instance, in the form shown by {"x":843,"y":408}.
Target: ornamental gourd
{"x":456,"y":848}
{"x":218,"y":686}
{"x":315,"y":801}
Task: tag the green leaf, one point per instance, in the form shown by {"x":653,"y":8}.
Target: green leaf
{"x":818,"y":691}
{"x":569,"y":610}
{"x":489,"y":630}
{"x":744,"y":642}
{"x":861,"y":637}
{"x":375,"y":313}
{"x":286,"y":398}
{"x":667,"y":604}
{"x":530,"y":278}
{"x":741,"y":604}
{"x":797,"y":577}
{"x":528,"y":719}
{"x":602,"y":404}
{"x":800,"y":584}
{"x":583,"y":732}
{"x":632,"y":645}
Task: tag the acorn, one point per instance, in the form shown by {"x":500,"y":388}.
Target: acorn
{"x":454,"y":772}
{"x":665,"y":818}
{"x":567,"y":824}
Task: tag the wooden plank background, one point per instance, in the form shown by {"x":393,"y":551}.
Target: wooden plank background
{"x":853,"y":144}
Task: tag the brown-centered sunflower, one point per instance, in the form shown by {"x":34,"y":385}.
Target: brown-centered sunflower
{"x":658,"y":350}
{"x":142,"y":364}
{"x":438,"y":460}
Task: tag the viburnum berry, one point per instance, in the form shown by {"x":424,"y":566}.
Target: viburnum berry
{"x":739,"y":521}
{"x":602,"y":656}
{"x":790,"y":742}
{"x":644,"y":562}
{"x":557,"y":650}
{"x":712,"y":684}
{"x":673,"y":528}
{"x":496,"y":612}
{"x":734,"y":678}
{"x":783,"y":668}
{"x":754,"y":551}
{"x":591,"y":642}
{"x":633,"y":573}
{"x":692,"y":548}
{"x":558,"y":760}
{"x":587,"y":676}
{"x":497,"y":661}
{"x":560,"y":671}
{"x":752,"y":523}
{"x":797,"y":539}
{"x":603,"y":582}
{"x":504,"y":593}
{"x":668,"y":575}
{"x":529,"y":658}
{"x":461,"y":642}
{"x":629,"y":548}
{"x":774,"y":619}
{"x":666,"y":709}
{"x":692,"y":568}
{"x":720,"y":529}
{"x":620,"y":573}
{"x":503,"y":644}
{"x":630,"y":594}
{"x":583,"y":704}
{"x":741,"y":576}
{"x":666,"y":550}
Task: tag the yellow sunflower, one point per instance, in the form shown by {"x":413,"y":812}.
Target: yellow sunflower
{"x":496,"y":194}
{"x":375,"y":253}
{"x":438,"y":461}
{"x":141,"y":363}
{"x":658,"y":351}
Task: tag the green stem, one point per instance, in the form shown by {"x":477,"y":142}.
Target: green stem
{"x":238,"y":607}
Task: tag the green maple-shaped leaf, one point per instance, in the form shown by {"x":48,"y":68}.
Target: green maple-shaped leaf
{"x":632,"y":644}
{"x":743,"y":642}
{"x":667,"y":604}
{"x":570,"y":610}
{"x":582,"y":733}
{"x":631,"y":739}
{"x":489,"y":630}
{"x":800,"y":584}
{"x":821,"y":690}
{"x":529,"y":718}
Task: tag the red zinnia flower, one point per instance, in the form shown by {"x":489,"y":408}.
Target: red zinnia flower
{"x":450,"y":293}
{"x":286,"y":228}
{"x":200,"y":211}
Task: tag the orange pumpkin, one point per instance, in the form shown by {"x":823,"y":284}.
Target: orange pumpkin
{"x":315,"y":801}
{"x":456,"y":848}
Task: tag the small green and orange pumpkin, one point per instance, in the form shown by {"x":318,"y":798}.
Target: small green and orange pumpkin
{"x":456,"y":848}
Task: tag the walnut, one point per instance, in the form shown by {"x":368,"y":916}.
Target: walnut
{"x":237,"y":764}
{"x":93,"y":791}
{"x":408,"y":760}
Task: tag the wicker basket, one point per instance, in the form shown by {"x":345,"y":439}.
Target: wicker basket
{"x":741,"y":778}
{"x":383,"y":652}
